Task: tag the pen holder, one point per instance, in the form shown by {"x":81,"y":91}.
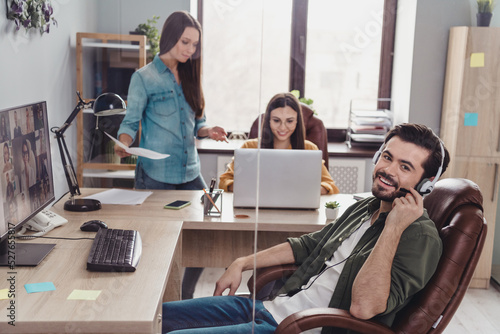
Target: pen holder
{"x":212,"y":203}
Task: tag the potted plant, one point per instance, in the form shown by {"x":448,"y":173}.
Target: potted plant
{"x":152,"y":36}
{"x":484,"y":12}
{"x":332,"y":209}
{"x":308,"y":102}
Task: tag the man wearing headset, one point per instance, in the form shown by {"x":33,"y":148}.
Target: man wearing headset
{"x":370,"y":261}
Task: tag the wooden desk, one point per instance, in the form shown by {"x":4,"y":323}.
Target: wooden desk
{"x":130,"y":302}
{"x":216,"y":242}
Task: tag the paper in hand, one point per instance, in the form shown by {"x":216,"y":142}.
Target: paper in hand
{"x":139,"y":151}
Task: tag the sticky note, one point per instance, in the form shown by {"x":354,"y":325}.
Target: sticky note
{"x":4,"y":294}
{"x":39,"y":287}
{"x":84,"y":295}
{"x":477,"y":59}
{"x":470,"y":119}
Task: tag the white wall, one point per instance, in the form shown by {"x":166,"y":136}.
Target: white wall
{"x":36,"y":67}
{"x":129,"y":13}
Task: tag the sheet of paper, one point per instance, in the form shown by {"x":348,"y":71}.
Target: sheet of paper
{"x":139,"y":151}
{"x":39,"y":287}
{"x":84,"y":294}
{"x":121,"y":196}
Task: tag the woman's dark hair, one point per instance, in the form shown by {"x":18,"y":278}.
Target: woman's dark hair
{"x":190,"y":71}
{"x":424,"y":137}
{"x":280,"y":101}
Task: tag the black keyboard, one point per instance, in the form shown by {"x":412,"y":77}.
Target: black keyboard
{"x":115,"y":250}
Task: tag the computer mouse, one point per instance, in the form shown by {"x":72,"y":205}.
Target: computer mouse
{"x":93,"y":226}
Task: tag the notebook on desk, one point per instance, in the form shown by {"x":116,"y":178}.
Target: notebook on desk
{"x":288,"y":178}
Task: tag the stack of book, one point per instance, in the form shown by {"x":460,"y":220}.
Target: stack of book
{"x":368,"y":127}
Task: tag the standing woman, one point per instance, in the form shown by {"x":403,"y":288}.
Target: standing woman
{"x":166,"y":98}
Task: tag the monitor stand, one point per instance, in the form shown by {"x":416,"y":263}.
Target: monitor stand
{"x":24,"y":254}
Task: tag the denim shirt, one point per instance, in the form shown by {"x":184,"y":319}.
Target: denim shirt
{"x":414,"y":263}
{"x":168,"y":124}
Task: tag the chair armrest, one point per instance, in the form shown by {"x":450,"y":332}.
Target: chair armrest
{"x":269,"y":274}
{"x":329,"y":317}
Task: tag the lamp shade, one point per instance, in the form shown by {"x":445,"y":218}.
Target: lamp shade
{"x":108,"y":104}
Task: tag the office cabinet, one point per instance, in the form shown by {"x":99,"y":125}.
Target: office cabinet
{"x":470,"y":121}
{"x":104,"y":63}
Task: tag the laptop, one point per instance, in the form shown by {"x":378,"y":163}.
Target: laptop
{"x":289,"y":179}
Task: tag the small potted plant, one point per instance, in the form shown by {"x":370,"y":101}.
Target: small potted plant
{"x":484,"y":12}
{"x":152,"y":36}
{"x":308,"y":102}
{"x":332,"y":210}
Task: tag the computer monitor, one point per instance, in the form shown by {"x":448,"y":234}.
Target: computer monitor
{"x":26,"y":182}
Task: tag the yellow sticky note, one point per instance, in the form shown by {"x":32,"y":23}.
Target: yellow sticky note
{"x":477,"y":59}
{"x":4,"y":294}
{"x":84,"y":295}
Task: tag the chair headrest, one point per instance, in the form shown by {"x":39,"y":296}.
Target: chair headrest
{"x":448,"y":195}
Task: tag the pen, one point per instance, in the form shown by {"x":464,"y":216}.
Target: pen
{"x":211,"y":200}
{"x":212,"y":185}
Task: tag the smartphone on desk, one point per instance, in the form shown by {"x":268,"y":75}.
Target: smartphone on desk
{"x":176,"y":205}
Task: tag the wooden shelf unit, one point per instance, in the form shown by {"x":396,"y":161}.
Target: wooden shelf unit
{"x":106,"y":43}
{"x":470,"y":122}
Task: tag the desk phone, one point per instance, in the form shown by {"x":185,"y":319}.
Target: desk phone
{"x":42,"y":222}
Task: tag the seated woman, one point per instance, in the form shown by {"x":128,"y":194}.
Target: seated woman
{"x":282,"y":128}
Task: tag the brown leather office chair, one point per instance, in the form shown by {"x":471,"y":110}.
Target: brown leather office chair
{"x":455,"y":206}
{"x":315,"y":130}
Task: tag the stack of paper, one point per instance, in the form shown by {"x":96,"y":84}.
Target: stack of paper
{"x":369,"y":126}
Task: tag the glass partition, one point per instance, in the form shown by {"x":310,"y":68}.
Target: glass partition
{"x":246,"y":49}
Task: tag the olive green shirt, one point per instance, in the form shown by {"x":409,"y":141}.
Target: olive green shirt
{"x":414,"y":263}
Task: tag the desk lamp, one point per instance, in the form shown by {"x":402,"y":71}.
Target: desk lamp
{"x":106,"y":104}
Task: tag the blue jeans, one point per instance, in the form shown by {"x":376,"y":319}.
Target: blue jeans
{"x":143,"y":181}
{"x":216,"y":315}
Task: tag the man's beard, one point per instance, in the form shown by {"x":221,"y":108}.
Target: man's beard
{"x":381,"y":193}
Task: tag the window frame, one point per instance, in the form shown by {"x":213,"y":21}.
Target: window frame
{"x":299,"y":46}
